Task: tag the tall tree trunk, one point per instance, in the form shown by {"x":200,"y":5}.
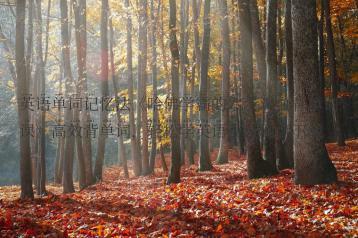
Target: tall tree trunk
{"x":259,"y":51}
{"x":155,"y":122}
{"x":270,"y":124}
{"x":225,"y":113}
{"x":142,"y":84}
{"x":288,"y":141}
{"x":336,"y":102}
{"x":21,"y":91}
{"x":121,"y":148}
{"x":174,"y":174}
{"x":256,"y":166}
{"x":184,"y":35}
{"x":204,"y":155}
{"x":40,"y":75}
{"x":77,"y":9}
{"x":67,"y":180}
{"x":312,"y":164}
{"x":133,"y":137}
{"x":85,"y":117}
{"x":98,"y":169}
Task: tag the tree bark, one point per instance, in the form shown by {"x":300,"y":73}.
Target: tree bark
{"x":79,"y":12}
{"x":184,"y":35}
{"x":312,"y":164}
{"x":21,"y":91}
{"x":142,"y":84}
{"x":270,"y":153}
{"x":288,"y":141}
{"x":256,"y":166}
{"x":155,"y":121}
{"x":225,"y":113}
{"x":204,"y":155}
{"x":121,"y":149}
{"x":67,"y":179}
{"x":336,"y":102}
{"x":98,"y":169}
{"x":132,"y":128}
{"x":174,"y":174}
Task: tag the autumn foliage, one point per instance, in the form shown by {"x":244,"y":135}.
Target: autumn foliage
{"x":220,"y":203}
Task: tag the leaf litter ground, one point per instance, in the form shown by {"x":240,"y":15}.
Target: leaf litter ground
{"x":219,"y":203}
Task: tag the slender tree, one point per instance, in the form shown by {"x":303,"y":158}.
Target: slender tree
{"x":204,"y":155}
{"x":225,"y":110}
{"x":132,"y":128}
{"x":270,"y":124}
{"x":155,"y":122}
{"x":67,"y":180}
{"x":121,"y":148}
{"x":184,"y":35}
{"x":174,"y":174}
{"x":40,"y":75}
{"x":256,"y":166}
{"x":21,"y":91}
{"x":98,"y":169}
{"x":79,"y":91}
{"x":312,"y":164}
{"x":336,"y":102}
{"x":287,"y":160}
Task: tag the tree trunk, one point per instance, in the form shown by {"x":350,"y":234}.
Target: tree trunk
{"x":133,"y":137}
{"x":98,"y":170}
{"x":336,"y":102}
{"x":270,"y":124}
{"x":288,"y":141}
{"x":77,"y":9}
{"x":121,"y":149}
{"x":21,"y":91}
{"x":142,"y":84}
{"x":174,"y":174}
{"x":256,"y":166}
{"x":312,"y":164}
{"x":225,"y":113}
{"x":40,"y":75}
{"x":155,"y":121}
{"x":81,"y":43}
{"x":204,"y":155}
{"x":184,"y":35}
{"x":67,"y":180}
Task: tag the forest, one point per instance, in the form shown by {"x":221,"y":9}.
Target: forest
{"x":178,"y":118}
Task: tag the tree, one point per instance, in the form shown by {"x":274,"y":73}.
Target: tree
{"x":225,"y":110}
{"x":40,"y":76}
{"x":67,"y":179}
{"x":79,"y":91}
{"x":184,"y":37}
{"x":132,"y":129}
{"x":21,"y":91}
{"x":98,"y":169}
{"x":204,"y":155}
{"x":312,"y":164}
{"x":174,"y":174}
{"x":155,"y":121}
{"x":270,"y":124}
{"x":336,"y":102}
{"x":121,"y":149}
{"x":287,"y":160}
{"x":85,"y":117}
{"x":142,"y":84}
{"x":256,"y":166}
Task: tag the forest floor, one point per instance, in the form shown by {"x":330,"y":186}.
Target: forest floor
{"x":220,"y":203}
